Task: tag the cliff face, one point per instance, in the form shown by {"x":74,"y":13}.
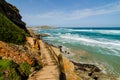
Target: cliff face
{"x":15,"y":53}
{"x":18,"y":61}
{"x":12,"y":13}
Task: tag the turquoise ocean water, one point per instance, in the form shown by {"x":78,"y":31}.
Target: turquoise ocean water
{"x":102,"y":45}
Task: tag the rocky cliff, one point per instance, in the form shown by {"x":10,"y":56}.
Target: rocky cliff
{"x":18,"y":61}
{"x":18,"y":58}
{"x":12,"y":13}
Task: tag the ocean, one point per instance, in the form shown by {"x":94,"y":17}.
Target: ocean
{"x":99,"y":46}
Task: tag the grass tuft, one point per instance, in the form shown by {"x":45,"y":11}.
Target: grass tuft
{"x":25,"y":67}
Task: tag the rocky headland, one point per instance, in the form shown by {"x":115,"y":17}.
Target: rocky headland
{"x":12,"y":13}
{"x":25,"y":56}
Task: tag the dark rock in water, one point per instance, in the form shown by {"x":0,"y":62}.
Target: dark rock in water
{"x":91,"y":72}
{"x":68,"y":53}
{"x":87,"y":67}
{"x":63,"y":50}
{"x":12,"y":13}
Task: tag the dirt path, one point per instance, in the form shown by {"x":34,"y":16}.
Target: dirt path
{"x":51,"y":70}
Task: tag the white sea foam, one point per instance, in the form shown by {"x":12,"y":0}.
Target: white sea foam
{"x":109,"y":31}
{"x":112,"y":45}
{"x":97,"y":31}
{"x":89,"y":40}
{"x":102,"y":45}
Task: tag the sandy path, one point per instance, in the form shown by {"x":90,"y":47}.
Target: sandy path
{"x":51,"y":70}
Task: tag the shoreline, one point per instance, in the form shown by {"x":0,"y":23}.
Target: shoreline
{"x":83,"y":57}
{"x":85,"y":70}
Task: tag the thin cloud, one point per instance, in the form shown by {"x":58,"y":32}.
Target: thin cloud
{"x":76,"y":14}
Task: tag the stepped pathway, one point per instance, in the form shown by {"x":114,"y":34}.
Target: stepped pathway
{"x":50,"y":71}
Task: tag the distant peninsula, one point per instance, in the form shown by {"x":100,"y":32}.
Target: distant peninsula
{"x":46,"y":27}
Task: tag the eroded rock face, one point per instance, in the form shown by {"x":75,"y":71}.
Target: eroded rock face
{"x":12,"y":13}
{"x":34,"y":42}
{"x":15,"y":53}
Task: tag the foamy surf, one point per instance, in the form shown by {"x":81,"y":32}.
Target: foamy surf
{"x":102,"y":45}
{"x":113,"y":32}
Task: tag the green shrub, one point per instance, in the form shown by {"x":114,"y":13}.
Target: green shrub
{"x":8,"y":70}
{"x":11,"y":33}
{"x":25,"y":67}
{"x":7,"y":64}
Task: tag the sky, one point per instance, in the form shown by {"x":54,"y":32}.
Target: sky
{"x":69,"y":13}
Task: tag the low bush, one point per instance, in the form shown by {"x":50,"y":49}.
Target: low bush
{"x":25,"y":67}
{"x":8,"y":70}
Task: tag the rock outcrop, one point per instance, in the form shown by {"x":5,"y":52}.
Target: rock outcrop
{"x":15,"y":53}
{"x":69,"y":70}
{"x":12,"y":13}
{"x":34,"y":42}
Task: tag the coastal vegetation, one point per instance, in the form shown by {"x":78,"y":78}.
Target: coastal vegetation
{"x":9,"y":70}
{"x":9,"y":32}
{"x":12,"y":71}
{"x":25,"y":67}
